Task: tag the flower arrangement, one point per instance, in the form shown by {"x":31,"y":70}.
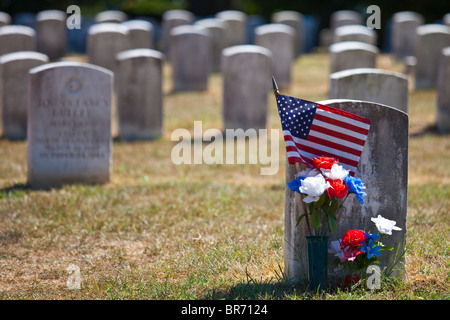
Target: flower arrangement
{"x":358,"y":249}
{"x":324,"y":188}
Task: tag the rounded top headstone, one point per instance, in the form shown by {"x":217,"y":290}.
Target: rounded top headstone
{"x":178,"y":14}
{"x":138,"y":25}
{"x":231,"y":15}
{"x":12,"y":29}
{"x":211,"y":23}
{"x":51,"y":15}
{"x":432,"y":28}
{"x":274,"y":27}
{"x":352,"y":45}
{"x":407,"y":16}
{"x":5,"y":18}
{"x":20,"y":55}
{"x":65,"y":64}
{"x":352,"y":29}
{"x":140,"y":52}
{"x":246,"y":48}
{"x":108,"y":27}
{"x":350,"y":72}
{"x":112,"y":16}
{"x":189,"y":29}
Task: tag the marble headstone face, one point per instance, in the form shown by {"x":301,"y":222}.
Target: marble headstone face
{"x":432,"y":38}
{"x":235,"y":26}
{"x":5,"y":18}
{"x":355,"y":33}
{"x":216,"y":28}
{"x":69,"y":124}
{"x":293,"y":19}
{"x":278,"y":38}
{"x":344,"y":18}
{"x":140,"y":33}
{"x":140,"y":94}
{"x":352,"y":54}
{"x":404,"y":33}
{"x":14,"y":69}
{"x":170,"y":20}
{"x":383,"y":167}
{"x":52,"y":33}
{"x":247,"y":72}
{"x":443,"y":100}
{"x":104,"y":41}
{"x":375,"y":85}
{"x":190,"y":54}
{"x":17,"y":38}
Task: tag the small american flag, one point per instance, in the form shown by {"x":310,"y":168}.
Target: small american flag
{"x":313,"y":130}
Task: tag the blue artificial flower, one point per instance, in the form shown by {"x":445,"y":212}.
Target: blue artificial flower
{"x":370,"y":249}
{"x":371,"y":236}
{"x":355,"y":185}
{"x":295,"y":184}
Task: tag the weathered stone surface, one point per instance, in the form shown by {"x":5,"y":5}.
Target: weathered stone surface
{"x":383,"y":168}
{"x":104,"y":41}
{"x":170,"y":20}
{"x":216,"y":28}
{"x":247,"y":72}
{"x":113,"y":16}
{"x":236,"y":26}
{"x":14,"y":69}
{"x":443,"y":100}
{"x":69,"y":124}
{"x":404,"y":33}
{"x":345,"y":17}
{"x":293,"y":19}
{"x":191,"y":57}
{"x":140,"y":33}
{"x":140,"y":94}
{"x":352,"y":54}
{"x":355,"y":33}
{"x":375,"y":85}
{"x":432,"y":38}
{"x":52,"y":33}
{"x":278,"y":38}
{"x":17,"y":38}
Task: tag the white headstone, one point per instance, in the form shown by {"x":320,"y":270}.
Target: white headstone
{"x":345,"y":17}
{"x":432,"y":38}
{"x":14,"y":69}
{"x":216,"y":28}
{"x":190,"y":51}
{"x":404,"y":35}
{"x":278,"y":38}
{"x":52,"y":33}
{"x":375,"y":85}
{"x":69,"y":124}
{"x":446,"y":19}
{"x":247,"y":72}
{"x":104,"y":41}
{"x":5,"y":18}
{"x":355,"y":33}
{"x":293,"y":19}
{"x":140,"y":94}
{"x":383,"y":168}
{"x":443,"y":100}
{"x":236,"y":26}
{"x":140,"y":33}
{"x":113,"y":16}
{"x":352,"y":54}
{"x":170,"y":20}
{"x":17,"y":38}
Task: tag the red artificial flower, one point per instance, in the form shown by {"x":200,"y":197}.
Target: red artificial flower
{"x":353,"y":239}
{"x":350,"y":281}
{"x":324,"y":162}
{"x":337,"y":188}
{"x":350,"y":254}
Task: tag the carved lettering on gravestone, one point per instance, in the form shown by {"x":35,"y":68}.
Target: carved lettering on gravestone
{"x":69,"y":124}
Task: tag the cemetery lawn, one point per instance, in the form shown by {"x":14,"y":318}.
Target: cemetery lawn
{"x":162,"y":231}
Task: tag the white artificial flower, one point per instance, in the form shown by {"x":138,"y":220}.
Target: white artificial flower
{"x":336,"y":172}
{"x":385,"y":225}
{"x":313,"y":187}
{"x":335,"y":247}
{"x":310,"y":172}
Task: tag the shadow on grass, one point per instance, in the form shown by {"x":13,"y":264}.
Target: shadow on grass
{"x":430,"y":129}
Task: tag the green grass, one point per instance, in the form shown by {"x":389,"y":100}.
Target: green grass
{"x":161,"y":231}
